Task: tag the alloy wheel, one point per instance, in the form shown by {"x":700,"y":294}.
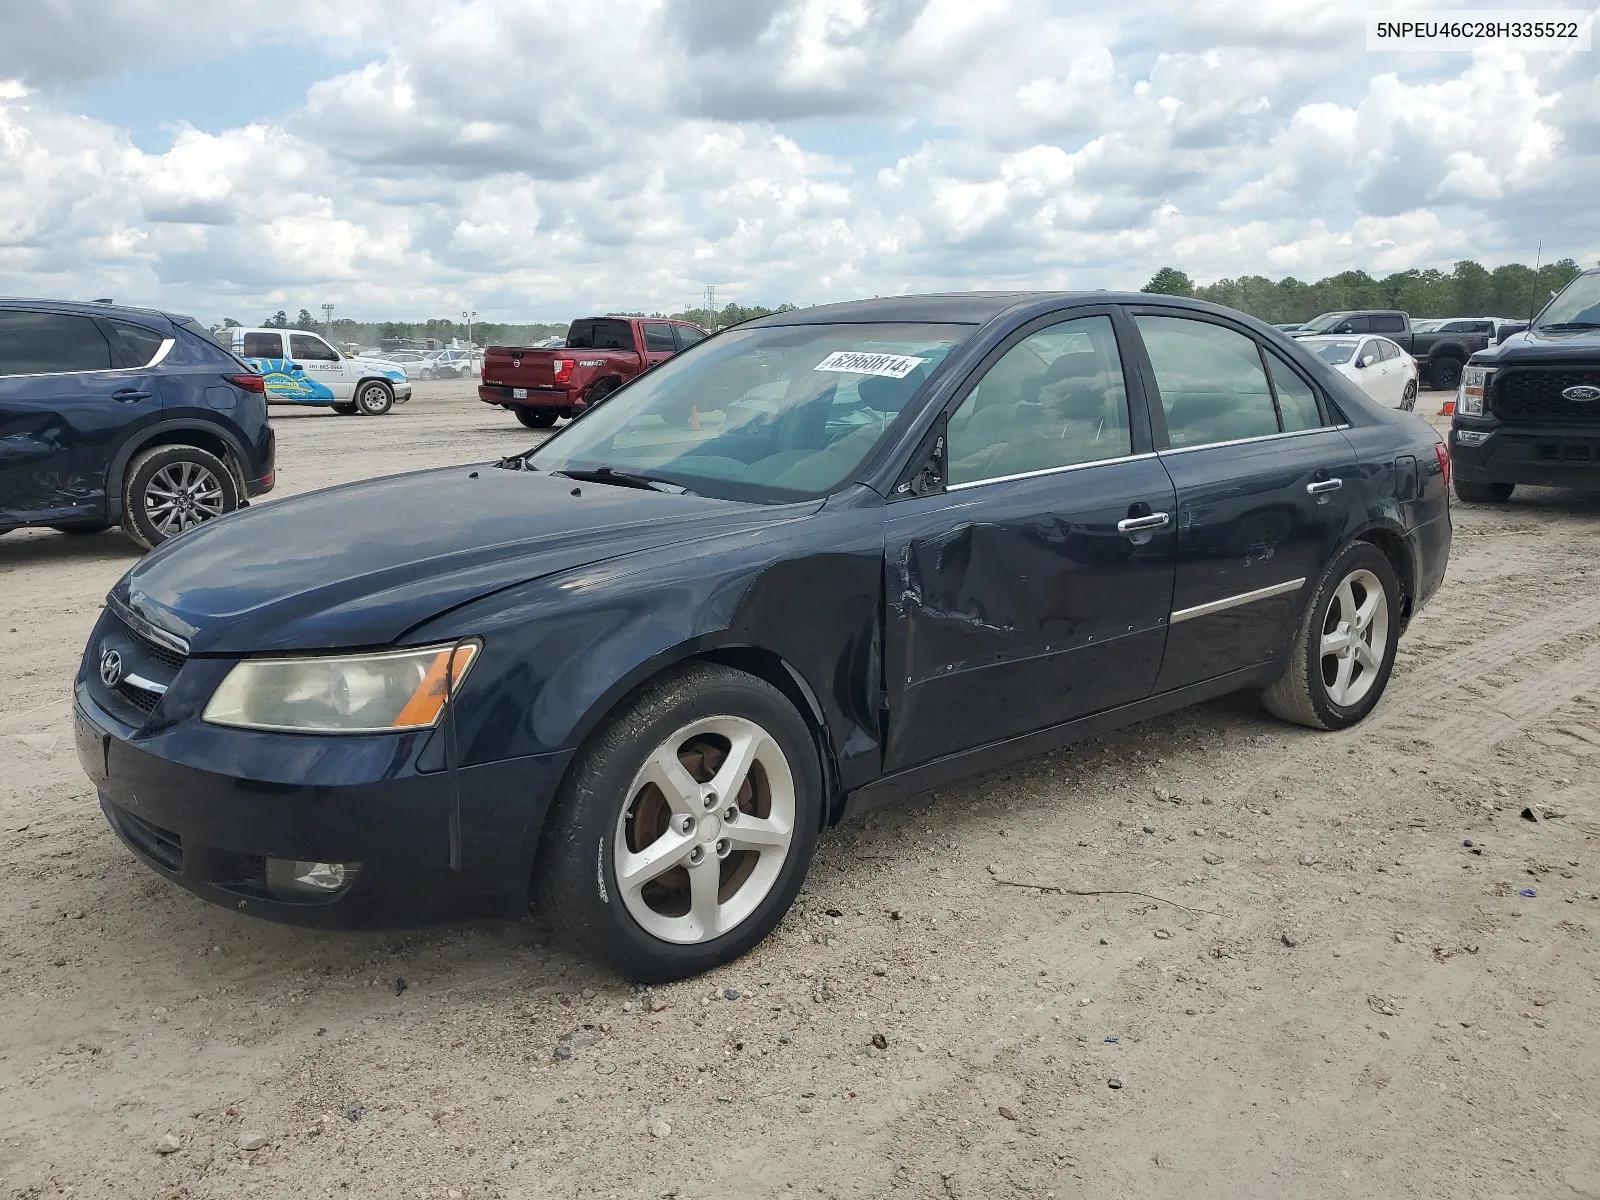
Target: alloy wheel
{"x":181,"y":495}
{"x":705,"y":831}
{"x":1355,"y":635}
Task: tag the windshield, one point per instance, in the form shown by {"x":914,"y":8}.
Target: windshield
{"x":1578,"y":304}
{"x":1336,"y":352}
{"x":1425,"y":326}
{"x":1323,"y":323}
{"x":771,"y":414}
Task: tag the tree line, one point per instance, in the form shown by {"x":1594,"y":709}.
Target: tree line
{"x":1468,"y":290}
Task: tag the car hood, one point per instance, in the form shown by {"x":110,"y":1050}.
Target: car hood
{"x":361,"y":564}
{"x":395,"y":371}
{"x":1533,"y":347}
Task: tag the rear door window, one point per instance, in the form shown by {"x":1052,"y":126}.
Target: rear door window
{"x":1297,"y":403}
{"x":34,"y":343}
{"x":658,"y":338}
{"x":263,"y":345}
{"x":1388,"y":323}
{"x":688,"y":335}
{"x":1212,"y":385}
{"x":139,"y":345}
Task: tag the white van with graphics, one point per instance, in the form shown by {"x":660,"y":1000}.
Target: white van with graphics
{"x":302,"y":368}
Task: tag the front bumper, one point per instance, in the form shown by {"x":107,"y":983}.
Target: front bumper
{"x":402,"y":392}
{"x":207,"y":806}
{"x":1555,"y":456}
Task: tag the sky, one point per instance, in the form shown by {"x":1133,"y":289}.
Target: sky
{"x":535,"y":160}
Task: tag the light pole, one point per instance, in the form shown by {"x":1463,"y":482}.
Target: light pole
{"x":467,"y":317}
{"x":327,"y":318}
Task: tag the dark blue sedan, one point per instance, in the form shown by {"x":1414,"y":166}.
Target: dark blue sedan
{"x":115,"y":415}
{"x":827,"y":557}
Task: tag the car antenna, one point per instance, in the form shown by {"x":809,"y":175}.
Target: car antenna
{"x":1533,"y":292}
{"x":451,"y":765}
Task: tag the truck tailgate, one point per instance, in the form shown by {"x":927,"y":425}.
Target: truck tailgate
{"x":513,"y":367}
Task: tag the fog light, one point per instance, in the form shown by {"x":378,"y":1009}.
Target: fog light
{"x":289,"y":878}
{"x":1471,"y":437}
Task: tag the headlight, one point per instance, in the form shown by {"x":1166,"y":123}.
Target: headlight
{"x":357,"y":693}
{"x":1474,"y":388}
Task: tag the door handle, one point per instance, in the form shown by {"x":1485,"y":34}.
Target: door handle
{"x":1319,"y":486}
{"x":1136,"y":524}
{"x":129,"y":395}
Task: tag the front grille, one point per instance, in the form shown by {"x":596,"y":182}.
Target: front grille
{"x":161,"y":846}
{"x":165,"y":655}
{"x":1532,"y":395}
{"x":144,"y":701}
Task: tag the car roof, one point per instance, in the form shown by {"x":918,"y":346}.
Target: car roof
{"x":90,"y":308}
{"x":972,"y":308}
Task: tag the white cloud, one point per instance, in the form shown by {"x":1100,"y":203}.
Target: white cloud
{"x":492,"y":152}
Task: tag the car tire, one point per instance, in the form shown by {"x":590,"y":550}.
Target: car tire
{"x":666,"y":923}
{"x":348,"y":409}
{"x":598,"y":394}
{"x":536,"y":418}
{"x":153,"y":508}
{"x":1349,"y":631}
{"x":373,"y":398}
{"x":83,"y":529}
{"x":1445,"y":374}
{"x":1483,"y":493}
{"x":1408,"y":398}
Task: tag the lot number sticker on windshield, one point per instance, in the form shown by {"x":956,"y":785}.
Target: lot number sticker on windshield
{"x":859,"y":362}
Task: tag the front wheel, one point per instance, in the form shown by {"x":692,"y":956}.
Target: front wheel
{"x":684,"y":829}
{"x":536,"y":418}
{"x":1483,"y":493}
{"x":1344,"y":648}
{"x":1408,"y":398}
{"x":173,"y":488}
{"x":373,"y":399}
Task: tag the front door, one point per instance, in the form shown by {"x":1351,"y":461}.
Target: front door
{"x":1264,"y":487}
{"x":1034,"y":588}
{"x":322,"y":364}
{"x":67,"y":397}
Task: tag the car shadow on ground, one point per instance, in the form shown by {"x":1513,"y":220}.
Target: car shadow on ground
{"x":35,"y":547}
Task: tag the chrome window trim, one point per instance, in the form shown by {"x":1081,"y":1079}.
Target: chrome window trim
{"x":1265,"y":437}
{"x":1094,"y":462}
{"x":161,"y":352}
{"x":154,"y":632}
{"x":1227,"y":602}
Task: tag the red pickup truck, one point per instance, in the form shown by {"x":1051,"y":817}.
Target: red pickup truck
{"x":601,"y":354}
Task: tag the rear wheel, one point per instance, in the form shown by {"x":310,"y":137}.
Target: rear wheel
{"x":685,"y":827}
{"x":600,"y":391}
{"x":1446,"y":374}
{"x":1344,"y":648}
{"x":373,"y":399}
{"x":1484,"y":493}
{"x":1408,"y":398}
{"x":173,"y":488}
{"x":536,"y":418}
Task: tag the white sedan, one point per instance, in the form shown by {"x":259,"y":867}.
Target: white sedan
{"x":1376,"y":365}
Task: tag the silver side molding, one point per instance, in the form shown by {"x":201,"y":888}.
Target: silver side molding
{"x":1227,"y":602}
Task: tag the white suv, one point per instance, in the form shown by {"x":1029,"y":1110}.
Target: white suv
{"x":302,"y":368}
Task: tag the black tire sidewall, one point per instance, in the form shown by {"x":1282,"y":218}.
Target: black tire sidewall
{"x":577,"y":869}
{"x":1408,"y":398}
{"x":367,"y":387}
{"x":532,"y":418}
{"x":1356,"y":556}
{"x":135,"y":521}
{"x":1446,"y":373}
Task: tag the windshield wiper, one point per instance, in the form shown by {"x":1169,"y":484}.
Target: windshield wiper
{"x":1570,"y":325}
{"x":621,"y":479}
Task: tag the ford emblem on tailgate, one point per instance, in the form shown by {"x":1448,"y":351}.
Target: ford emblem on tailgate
{"x":111,"y":668}
{"x":1583,"y":393}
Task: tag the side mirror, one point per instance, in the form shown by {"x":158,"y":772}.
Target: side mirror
{"x":1366,"y":361}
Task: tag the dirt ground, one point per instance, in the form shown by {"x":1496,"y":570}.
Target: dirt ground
{"x":1325,"y":990}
